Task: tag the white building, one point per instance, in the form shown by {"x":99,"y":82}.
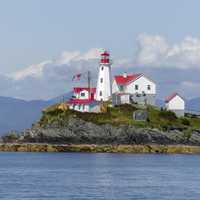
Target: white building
{"x":104,"y":88}
{"x":175,"y":103}
{"x":133,"y":88}
{"x":83,"y":100}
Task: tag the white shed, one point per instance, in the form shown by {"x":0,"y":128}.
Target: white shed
{"x":175,"y":103}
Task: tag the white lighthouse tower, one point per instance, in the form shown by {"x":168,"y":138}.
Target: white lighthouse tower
{"x":104,"y":88}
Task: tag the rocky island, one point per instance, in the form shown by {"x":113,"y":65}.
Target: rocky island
{"x":114,"y":130}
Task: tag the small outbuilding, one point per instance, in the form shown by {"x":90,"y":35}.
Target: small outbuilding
{"x":83,"y":100}
{"x":175,"y":103}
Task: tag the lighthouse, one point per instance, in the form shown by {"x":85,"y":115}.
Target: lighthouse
{"x":104,"y":89}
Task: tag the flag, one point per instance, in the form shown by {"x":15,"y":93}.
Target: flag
{"x":76,"y":77}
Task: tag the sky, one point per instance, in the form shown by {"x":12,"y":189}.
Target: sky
{"x":143,"y":33}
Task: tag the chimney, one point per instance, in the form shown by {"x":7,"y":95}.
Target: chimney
{"x":125,"y":75}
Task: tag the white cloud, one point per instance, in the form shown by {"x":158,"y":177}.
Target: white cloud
{"x":155,"y":57}
{"x":66,"y":58}
{"x":190,"y":85}
{"x":156,"y":51}
{"x":35,"y":71}
{"x":50,"y":78}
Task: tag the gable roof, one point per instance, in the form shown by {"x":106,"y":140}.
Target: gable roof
{"x":80,"y":89}
{"x":170,"y":97}
{"x":122,"y":80}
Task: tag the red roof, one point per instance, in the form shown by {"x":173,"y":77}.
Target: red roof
{"x":170,"y":97}
{"x":122,"y":80}
{"x":79,"y":89}
{"x":80,"y":101}
{"x":105,"y":54}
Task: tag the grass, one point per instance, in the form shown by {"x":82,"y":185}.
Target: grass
{"x":121,"y":115}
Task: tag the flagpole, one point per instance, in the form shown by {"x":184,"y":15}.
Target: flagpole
{"x":89,"y":82}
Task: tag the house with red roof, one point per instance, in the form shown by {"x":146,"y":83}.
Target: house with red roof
{"x":175,"y":103}
{"x":83,"y":100}
{"x":130,"y":88}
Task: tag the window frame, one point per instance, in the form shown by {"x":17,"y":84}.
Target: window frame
{"x":83,"y":94}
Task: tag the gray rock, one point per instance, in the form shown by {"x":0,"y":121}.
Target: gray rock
{"x":77,"y":131}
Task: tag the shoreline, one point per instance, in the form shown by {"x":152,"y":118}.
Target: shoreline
{"x":93,"y":148}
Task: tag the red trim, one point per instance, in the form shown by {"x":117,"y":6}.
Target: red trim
{"x":80,"y":89}
{"x":80,"y":101}
{"x":105,"y":54}
{"x":122,"y":80}
{"x":105,"y":60}
{"x":170,"y":97}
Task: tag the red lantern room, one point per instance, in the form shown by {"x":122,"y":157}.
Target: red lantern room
{"x":105,"y":58}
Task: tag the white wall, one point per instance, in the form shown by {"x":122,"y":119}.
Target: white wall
{"x":81,"y":108}
{"x":125,"y":98}
{"x":86,"y":108}
{"x":78,"y":95}
{"x":105,"y":86}
{"x":115,"y":87}
{"x":177,"y":103}
{"x":142,"y":83}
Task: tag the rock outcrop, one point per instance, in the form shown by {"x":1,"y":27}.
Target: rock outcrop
{"x":77,"y":131}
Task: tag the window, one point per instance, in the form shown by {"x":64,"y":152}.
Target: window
{"x":102,"y":68}
{"x":101,"y":80}
{"x":82,"y":94}
{"x":121,"y":87}
{"x":79,"y":107}
{"x":138,"y":95}
{"x":136,"y":87}
{"x":83,"y":107}
{"x":100,"y":93}
{"x":148,"y":87}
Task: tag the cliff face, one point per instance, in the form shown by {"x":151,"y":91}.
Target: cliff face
{"x":78,"y":131}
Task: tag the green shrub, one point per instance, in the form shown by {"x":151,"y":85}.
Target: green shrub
{"x":185,"y":121}
{"x":168,"y":115}
{"x":10,"y":137}
{"x":126,"y":108}
{"x":187,"y":134}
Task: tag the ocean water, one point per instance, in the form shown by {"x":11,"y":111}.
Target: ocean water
{"x":81,"y":176}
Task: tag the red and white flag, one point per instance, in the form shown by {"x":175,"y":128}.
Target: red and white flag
{"x":76,"y":77}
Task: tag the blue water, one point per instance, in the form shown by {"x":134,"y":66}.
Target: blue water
{"x":63,"y":176}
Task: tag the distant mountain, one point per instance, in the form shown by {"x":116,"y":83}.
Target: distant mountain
{"x":17,"y":114}
{"x":193,"y":105}
{"x":62,"y":98}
